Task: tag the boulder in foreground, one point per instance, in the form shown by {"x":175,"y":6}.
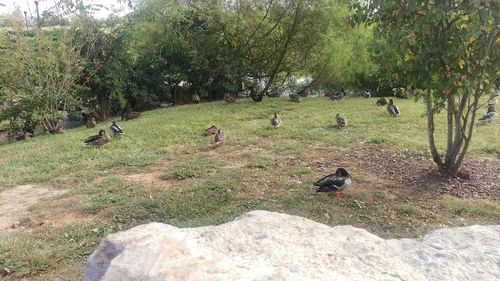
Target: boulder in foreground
{"x":263,"y":245}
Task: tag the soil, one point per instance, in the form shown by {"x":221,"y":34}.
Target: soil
{"x":15,"y":202}
{"x":418,"y":173}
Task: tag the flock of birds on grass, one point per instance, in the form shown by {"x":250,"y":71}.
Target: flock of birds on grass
{"x":333,"y":183}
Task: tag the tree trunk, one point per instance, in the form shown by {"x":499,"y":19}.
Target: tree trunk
{"x":430,"y":131}
{"x":290,"y":35}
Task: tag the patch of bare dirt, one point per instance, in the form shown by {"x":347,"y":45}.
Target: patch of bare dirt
{"x":15,"y":202}
{"x":150,"y":179}
{"x":403,"y":170}
{"x":416,"y":171}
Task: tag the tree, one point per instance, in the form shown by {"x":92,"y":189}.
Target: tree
{"x":38,"y":77}
{"x":448,"y":54}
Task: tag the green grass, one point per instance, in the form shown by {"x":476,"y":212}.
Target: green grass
{"x":471,"y":207}
{"x":194,"y":167}
{"x":177,"y":131}
{"x":188,"y":184}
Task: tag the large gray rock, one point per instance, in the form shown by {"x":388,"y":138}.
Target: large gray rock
{"x":272,"y":246}
{"x":464,"y":253}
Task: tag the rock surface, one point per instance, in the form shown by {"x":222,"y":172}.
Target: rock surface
{"x":262,"y":245}
{"x":464,"y":253}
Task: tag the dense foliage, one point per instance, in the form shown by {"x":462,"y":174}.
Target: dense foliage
{"x":164,"y":51}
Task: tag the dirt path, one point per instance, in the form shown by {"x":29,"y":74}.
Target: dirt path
{"x":15,"y":202}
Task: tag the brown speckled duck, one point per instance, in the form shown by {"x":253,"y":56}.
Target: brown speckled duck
{"x":98,"y":140}
{"x":341,"y":121}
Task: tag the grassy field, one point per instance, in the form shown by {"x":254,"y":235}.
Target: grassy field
{"x":163,"y":170}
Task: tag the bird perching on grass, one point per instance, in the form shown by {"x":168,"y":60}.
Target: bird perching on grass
{"x":338,"y":95}
{"x":195,"y":98}
{"x":341,"y":121}
{"x":130,"y":115}
{"x":116,"y":130}
{"x":382,"y":101}
{"x":255,"y":97}
{"x":366,"y":94}
{"x":489,"y":116}
{"x":334,"y":183}
{"x":98,"y":140}
{"x":210,"y":131}
{"x":220,"y":138}
{"x":91,"y":123}
{"x":392,"y":108}
{"x":276,"y":120}
{"x":294,"y":98}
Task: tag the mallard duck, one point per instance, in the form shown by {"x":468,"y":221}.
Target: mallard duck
{"x":382,"y":101}
{"x":195,"y":98}
{"x":115,"y":129}
{"x":210,"y":131}
{"x":255,"y":97}
{"x":489,"y":116}
{"x":338,"y":95}
{"x":341,"y":121}
{"x":228,"y":98}
{"x":219,"y":138}
{"x":275,"y":121}
{"x":96,"y":141}
{"x":130,"y":115}
{"x":57,"y":130}
{"x":335,"y":182}
{"x":24,"y":136}
{"x":166,"y":104}
{"x":91,"y":122}
{"x":392,"y":108}
{"x":294,"y":98}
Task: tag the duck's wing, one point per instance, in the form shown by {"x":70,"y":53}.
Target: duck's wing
{"x":331,"y":179}
{"x":393,"y":109}
{"x":219,"y":138}
{"x":92,"y":139}
{"x":341,"y":121}
{"x":116,"y":129}
{"x":396,"y":110}
{"x":332,"y":183}
{"x":488,"y":116}
{"x":210,"y":131}
{"x":275,"y":122}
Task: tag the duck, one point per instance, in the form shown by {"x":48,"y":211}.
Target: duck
{"x":341,"y":121}
{"x":276,"y":120}
{"x":195,"y":98}
{"x":336,"y":182}
{"x":96,"y":141}
{"x":294,"y":97}
{"x":24,"y":136}
{"x":210,"y":131}
{"x":219,"y":138}
{"x":489,"y":116}
{"x":255,"y":97}
{"x":115,"y":129}
{"x":57,"y":130}
{"x":382,"y":101}
{"x":338,"y":95}
{"x":228,"y":98}
{"x":91,"y":123}
{"x":130,"y":115}
{"x":392,"y":108}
